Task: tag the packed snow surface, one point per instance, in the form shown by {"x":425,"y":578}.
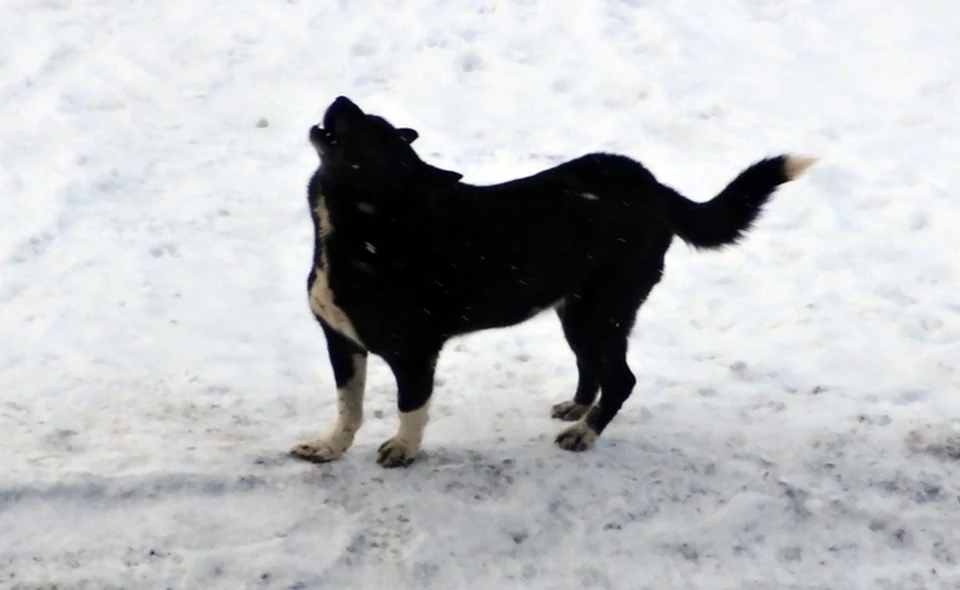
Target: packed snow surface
{"x":795,"y":421}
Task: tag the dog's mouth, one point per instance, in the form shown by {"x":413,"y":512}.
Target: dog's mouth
{"x":321,"y":138}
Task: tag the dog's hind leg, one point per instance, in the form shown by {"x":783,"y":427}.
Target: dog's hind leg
{"x":598,"y":326}
{"x":414,"y":375}
{"x":349,"y":363}
{"x":608,"y":356}
{"x":588,"y":385}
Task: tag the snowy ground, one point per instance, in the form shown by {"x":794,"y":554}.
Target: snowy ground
{"x":795,"y":423}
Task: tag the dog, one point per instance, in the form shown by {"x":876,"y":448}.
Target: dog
{"x":407,"y":256}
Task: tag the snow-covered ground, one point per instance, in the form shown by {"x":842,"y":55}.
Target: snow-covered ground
{"x":795,"y":421}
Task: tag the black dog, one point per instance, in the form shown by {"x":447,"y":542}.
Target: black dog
{"x":406,"y":257}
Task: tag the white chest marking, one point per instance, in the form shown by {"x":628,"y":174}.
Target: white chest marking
{"x":322,"y":300}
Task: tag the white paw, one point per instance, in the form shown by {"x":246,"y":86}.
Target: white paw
{"x":569,"y":411}
{"x":321,"y":450}
{"x":579,"y":437}
{"x":396,"y":452}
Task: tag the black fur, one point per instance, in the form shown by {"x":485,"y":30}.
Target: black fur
{"x":416,"y":257}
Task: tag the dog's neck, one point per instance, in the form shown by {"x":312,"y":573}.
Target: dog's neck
{"x":339,"y":207}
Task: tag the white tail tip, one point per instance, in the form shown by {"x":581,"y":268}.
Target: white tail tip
{"x":794,"y":166}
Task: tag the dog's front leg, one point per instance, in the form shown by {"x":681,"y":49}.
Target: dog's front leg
{"x":414,"y":387}
{"x":349,"y":363}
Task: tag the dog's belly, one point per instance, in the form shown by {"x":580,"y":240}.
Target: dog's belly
{"x":322,"y":304}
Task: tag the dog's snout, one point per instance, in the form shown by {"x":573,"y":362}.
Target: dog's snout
{"x":318,"y":134}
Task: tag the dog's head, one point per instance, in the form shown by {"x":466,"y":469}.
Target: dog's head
{"x":368,"y":149}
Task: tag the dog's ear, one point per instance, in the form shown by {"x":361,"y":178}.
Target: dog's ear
{"x":409,"y":135}
{"x":436,"y":177}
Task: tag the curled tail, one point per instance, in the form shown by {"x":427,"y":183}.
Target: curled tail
{"x":724,"y":219}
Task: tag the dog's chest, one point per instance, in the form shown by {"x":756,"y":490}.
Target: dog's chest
{"x":321,"y":296}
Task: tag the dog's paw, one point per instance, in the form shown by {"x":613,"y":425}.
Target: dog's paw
{"x":320,"y":450}
{"x":396,"y":453}
{"x":569,"y":411}
{"x":579,"y":437}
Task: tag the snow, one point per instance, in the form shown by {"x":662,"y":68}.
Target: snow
{"x":796,"y":421}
